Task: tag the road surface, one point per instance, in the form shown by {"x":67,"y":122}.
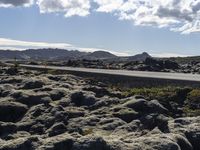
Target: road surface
{"x":126,"y":73}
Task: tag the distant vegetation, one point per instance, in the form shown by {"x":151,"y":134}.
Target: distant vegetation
{"x":187,"y":98}
{"x":184,"y":60}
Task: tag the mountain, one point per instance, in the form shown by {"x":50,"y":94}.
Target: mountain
{"x":53,"y":54}
{"x":62,"y":54}
{"x":7,"y":54}
{"x":41,"y":54}
{"x":139,"y":57}
{"x":99,"y":55}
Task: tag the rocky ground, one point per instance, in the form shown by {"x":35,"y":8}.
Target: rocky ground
{"x":63,"y":112}
{"x":150,"y":64}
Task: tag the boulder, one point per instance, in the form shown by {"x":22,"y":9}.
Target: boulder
{"x":56,"y":94}
{"x":75,"y":112}
{"x":168,"y":64}
{"x":77,"y":124}
{"x":126,"y":114}
{"x":194,"y":138}
{"x":188,"y":126}
{"x":18,"y":144}
{"x":31,"y":98}
{"x":59,"y":142}
{"x":101,"y":92}
{"x":151,"y":121}
{"x":183,"y":142}
{"x":12,"y":111}
{"x":156,"y":107}
{"x":37,"y":128}
{"x":56,"y":129}
{"x":111,"y":124}
{"x":136,"y":104}
{"x":7,"y":128}
{"x":91,"y":143}
{"x":41,"y":117}
{"x":18,"y":134}
{"x":82,"y":99}
{"x":33,"y":84}
{"x":11,"y":80}
{"x":5,"y":90}
{"x":11,"y":71}
{"x":105,"y":102}
{"x":156,"y":142}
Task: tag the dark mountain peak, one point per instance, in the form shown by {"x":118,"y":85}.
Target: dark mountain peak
{"x":145,"y":53}
{"x":99,"y":55}
{"x":140,"y":57}
{"x":102,"y":54}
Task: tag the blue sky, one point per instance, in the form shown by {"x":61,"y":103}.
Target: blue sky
{"x":32,"y":24}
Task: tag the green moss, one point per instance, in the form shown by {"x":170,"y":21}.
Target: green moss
{"x":186,"y":98}
{"x":192,"y":105}
{"x":160,"y":93}
{"x":184,"y":60}
{"x":191,"y":112}
{"x":194,"y":96}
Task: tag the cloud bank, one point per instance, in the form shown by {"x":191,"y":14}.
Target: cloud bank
{"x":178,"y":15}
{"x":10,"y":44}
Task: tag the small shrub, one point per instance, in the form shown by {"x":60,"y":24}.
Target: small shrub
{"x":176,"y":94}
{"x":152,"y":93}
{"x":191,"y":112}
{"x":193,"y":99}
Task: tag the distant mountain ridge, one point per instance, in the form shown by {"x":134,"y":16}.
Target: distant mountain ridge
{"x":38,"y":54}
{"x":99,"y":55}
{"x":139,"y":57}
{"x":63,"y":54}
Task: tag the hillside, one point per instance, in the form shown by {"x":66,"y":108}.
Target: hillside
{"x":54,"y":54}
{"x":98,"y":55}
{"x":139,"y":57}
{"x":40,"y":54}
{"x":64,"y":55}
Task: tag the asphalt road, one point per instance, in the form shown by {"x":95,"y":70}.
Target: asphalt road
{"x":142,"y":74}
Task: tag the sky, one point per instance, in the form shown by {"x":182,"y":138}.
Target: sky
{"x":125,"y":27}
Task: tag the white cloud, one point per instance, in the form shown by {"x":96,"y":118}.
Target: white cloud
{"x":177,"y":15}
{"x":24,"y":44}
{"x":13,"y":3}
{"x":108,"y":5}
{"x":10,"y":44}
{"x":99,"y":49}
{"x":68,"y":7}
